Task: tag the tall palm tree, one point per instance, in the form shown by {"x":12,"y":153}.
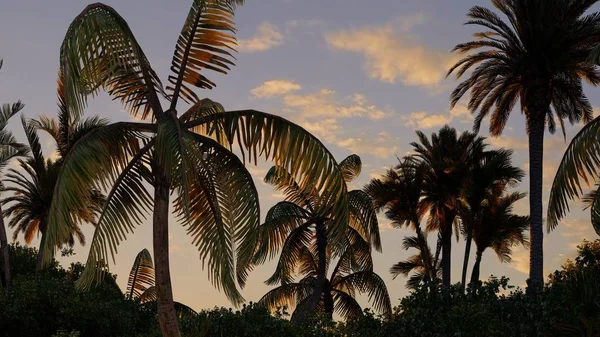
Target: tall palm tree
{"x":9,"y":149}
{"x":489,"y":177}
{"x":445,"y":164}
{"x":418,"y":266}
{"x":32,"y":187}
{"x":339,"y":290}
{"x":539,"y":57}
{"x":499,"y":229}
{"x":188,"y":154}
{"x":399,"y":194}
{"x":291,"y":225}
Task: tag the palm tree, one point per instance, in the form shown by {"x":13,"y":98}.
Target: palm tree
{"x":9,"y":149}
{"x":188,"y":154}
{"x":291,"y":224}
{"x":499,"y":229}
{"x":399,"y":194}
{"x":419,"y":264}
{"x":489,"y":177}
{"x":445,"y":163}
{"x":33,"y":187}
{"x":540,"y":58}
{"x":339,"y":290}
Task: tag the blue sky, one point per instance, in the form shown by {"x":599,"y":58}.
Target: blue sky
{"x":362,"y":76}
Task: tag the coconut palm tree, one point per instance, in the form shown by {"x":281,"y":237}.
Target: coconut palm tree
{"x":538,"y":56}
{"x":339,"y":290}
{"x":32,"y":187}
{"x":445,"y":164}
{"x":488,"y":179}
{"x":398,"y":193}
{"x":291,"y":224}
{"x":417,"y":266}
{"x":9,"y":149}
{"x":187,"y":152}
{"x":499,"y":229}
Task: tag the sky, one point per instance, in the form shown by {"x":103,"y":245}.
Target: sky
{"x":360,"y":75}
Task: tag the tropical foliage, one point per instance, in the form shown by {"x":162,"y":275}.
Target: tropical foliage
{"x":539,"y":56}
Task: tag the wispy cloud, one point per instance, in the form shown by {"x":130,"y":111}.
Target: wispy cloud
{"x":391,"y":54}
{"x":266,"y":37}
{"x":273,"y":88}
{"x":424,"y":120}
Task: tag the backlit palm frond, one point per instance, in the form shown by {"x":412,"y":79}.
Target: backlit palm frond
{"x":104,"y":156}
{"x":183,"y":311}
{"x":363,"y":217}
{"x":206,"y":107}
{"x":279,"y":222}
{"x":581,"y":162}
{"x":356,"y":257}
{"x":100,"y":51}
{"x":307,"y":263}
{"x":293,"y":248}
{"x":351,"y":167}
{"x":592,"y":201}
{"x":141,"y":276}
{"x":206,"y":42}
{"x":149,"y":295}
{"x":283,"y":181}
{"x":345,"y":305}
{"x":286,"y":295}
{"x":7,"y":111}
{"x":224,"y":215}
{"x":370,"y":283}
{"x":298,"y":152}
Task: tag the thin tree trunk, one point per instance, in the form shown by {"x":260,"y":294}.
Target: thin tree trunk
{"x":429,"y":274}
{"x":166,"y":310}
{"x":476,"y":268}
{"x":318,"y":289}
{"x":536,"y":157}
{"x":469,"y":240}
{"x":447,"y":249}
{"x":40,"y":256}
{"x":4,"y":252}
{"x":328,"y":301}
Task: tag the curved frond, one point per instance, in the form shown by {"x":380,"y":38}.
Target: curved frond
{"x":283,"y":181}
{"x":592,"y":201}
{"x":206,"y":42}
{"x":100,"y":51}
{"x":224,"y":213}
{"x":345,"y":305}
{"x":363,"y":217}
{"x":149,"y":295}
{"x":370,"y":283}
{"x":183,"y":311}
{"x":141,"y":277}
{"x":287,"y":294}
{"x":581,"y":162}
{"x":293,"y":248}
{"x":351,"y":167}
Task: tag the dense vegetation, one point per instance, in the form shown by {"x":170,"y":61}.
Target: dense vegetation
{"x":113,"y":175}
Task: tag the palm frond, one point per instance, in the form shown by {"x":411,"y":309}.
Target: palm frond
{"x":370,"y":283}
{"x":206,"y":42}
{"x":346,"y":306}
{"x":351,"y":167}
{"x":287,"y":294}
{"x":141,"y":276}
{"x":592,"y":201}
{"x":100,"y":51}
{"x":293,"y":248}
{"x":363,"y":217}
{"x":283,"y":181}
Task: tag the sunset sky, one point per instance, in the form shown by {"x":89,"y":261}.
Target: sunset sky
{"x":360,"y":75}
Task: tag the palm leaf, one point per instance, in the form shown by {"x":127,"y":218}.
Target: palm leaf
{"x":100,"y":51}
{"x":294,"y":149}
{"x":346,"y":306}
{"x":224,"y":214}
{"x":293,"y":248}
{"x":580,"y":162}
{"x":363,"y":217}
{"x":283,"y":181}
{"x":592,"y":201}
{"x":287,"y":294}
{"x":141,"y":276}
{"x":206,"y":42}
{"x":370,"y":283}
{"x":149,"y":295}
{"x":351,"y":167}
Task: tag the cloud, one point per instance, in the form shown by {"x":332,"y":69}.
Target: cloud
{"x":424,"y":120}
{"x":378,"y":147}
{"x":266,"y":37}
{"x":391,"y":54}
{"x":520,"y":260}
{"x":273,"y":88}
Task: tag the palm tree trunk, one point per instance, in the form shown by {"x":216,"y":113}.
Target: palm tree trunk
{"x":40,"y":256}
{"x":447,"y":248}
{"x":167,"y":318}
{"x":328,"y":301}
{"x":536,"y":157}
{"x":469,"y":240}
{"x":429,"y":275}
{"x":4,"y":252}
{"x":318,"y":289}
{"x":476,"y":268}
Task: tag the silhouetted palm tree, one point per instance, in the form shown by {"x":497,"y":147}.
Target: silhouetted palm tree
{"x":415,"y":266}
{"x":292,"y":224}
{"x":499,"y":229}
{"x":538,"y":57}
